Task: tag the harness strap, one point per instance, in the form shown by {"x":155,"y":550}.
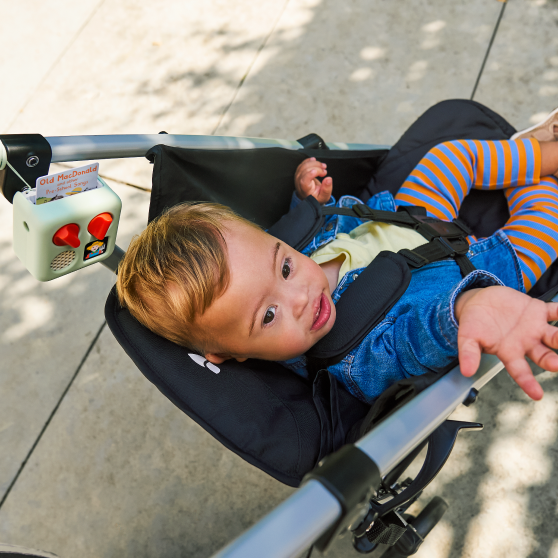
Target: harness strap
{"x":446,"y":239}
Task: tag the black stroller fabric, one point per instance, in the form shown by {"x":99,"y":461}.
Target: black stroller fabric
{"x":269,"y":416}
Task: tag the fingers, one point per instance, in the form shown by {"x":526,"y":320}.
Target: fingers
{"x":307,"y":183}
{"x":469,"y":356}
{"x":543,"y":356}
{"x":552,"y":311}
{"x":325,"y":190}
{"x":522,"y":374}
{"x":309,"y":169}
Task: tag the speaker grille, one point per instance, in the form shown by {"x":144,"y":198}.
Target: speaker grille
{"x":63,"y":260}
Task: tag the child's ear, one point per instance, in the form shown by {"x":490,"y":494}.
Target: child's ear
{"x":216,"y":358}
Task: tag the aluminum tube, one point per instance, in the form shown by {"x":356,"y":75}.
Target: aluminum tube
{"x":289,"y":529}
{"x":83,"y":148}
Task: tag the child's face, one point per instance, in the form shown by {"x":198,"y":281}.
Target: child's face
{"x":277,"y":305}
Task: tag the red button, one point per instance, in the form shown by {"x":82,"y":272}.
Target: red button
{"x":99,"y":225}
{"x":67,"y":236}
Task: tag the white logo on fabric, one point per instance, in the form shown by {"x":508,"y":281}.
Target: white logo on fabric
{"x":198,"y":359}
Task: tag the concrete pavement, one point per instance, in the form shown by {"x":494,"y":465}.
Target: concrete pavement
{"x":93,"y":460}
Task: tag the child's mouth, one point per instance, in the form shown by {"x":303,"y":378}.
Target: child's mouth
{"x":322,"y":313}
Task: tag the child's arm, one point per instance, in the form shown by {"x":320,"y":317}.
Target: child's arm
{"x":510,"y":325}
{"x":422,"y":334}
{"x":307,"y":183}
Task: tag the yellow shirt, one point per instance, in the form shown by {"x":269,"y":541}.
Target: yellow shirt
{"x":364,"y":243}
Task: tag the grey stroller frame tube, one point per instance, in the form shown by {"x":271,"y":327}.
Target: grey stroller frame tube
{"x":288,"y":530}
{"x":82,"y":148}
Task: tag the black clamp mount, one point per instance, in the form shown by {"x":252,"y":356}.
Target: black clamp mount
{"x":29,"y":155}
{"x":352,"y":477}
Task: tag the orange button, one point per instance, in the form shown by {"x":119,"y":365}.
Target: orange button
{"x":67,"y":236}
{"x":99,"y":225}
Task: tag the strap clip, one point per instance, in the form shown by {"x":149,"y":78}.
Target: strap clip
{"x":362,"y":210}
{"x":413,"y":258}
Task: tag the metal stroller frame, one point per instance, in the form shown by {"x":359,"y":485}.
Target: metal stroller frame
{"x":327,"y":503}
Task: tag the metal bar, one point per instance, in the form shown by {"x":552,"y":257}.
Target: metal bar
{"x":423,"y":414}
{"x":290,"y":528}
{"x":83,"y":148}
{"x":114,"y":259}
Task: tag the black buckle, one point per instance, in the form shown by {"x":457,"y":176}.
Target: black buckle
{"x":415,"y":260}
{"x":362,"y":210}
{"x":436,"y":227}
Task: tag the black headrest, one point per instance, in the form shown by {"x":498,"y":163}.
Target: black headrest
{"x":263,"y":412}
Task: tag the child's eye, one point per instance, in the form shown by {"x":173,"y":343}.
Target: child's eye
{"x":269,"y":315}
{"x":287,"y":268}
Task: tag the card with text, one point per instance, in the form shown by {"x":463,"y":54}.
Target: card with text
{"x":67,"y":183}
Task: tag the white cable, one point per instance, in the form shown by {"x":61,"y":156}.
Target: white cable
{"x":27,"y":187}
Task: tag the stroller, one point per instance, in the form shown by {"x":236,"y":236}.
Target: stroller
{"x":305,"y":433}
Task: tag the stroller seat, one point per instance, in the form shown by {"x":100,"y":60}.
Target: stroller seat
{"x":269,"y":416}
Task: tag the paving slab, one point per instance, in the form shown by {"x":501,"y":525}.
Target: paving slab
{"x":520,"y":80}
{"x":46,"y":330}
{"x":360,"y":71}
{"x":144,"y":67}
{"x":33,"y":37}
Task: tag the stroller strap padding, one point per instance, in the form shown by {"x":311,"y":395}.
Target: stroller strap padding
{"x":298,"y":227}
{"x":363,"y":305}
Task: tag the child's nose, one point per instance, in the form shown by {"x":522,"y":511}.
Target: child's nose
{"x":299,"y":299}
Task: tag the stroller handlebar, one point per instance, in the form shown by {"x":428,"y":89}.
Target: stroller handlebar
{"x":81,"y":148}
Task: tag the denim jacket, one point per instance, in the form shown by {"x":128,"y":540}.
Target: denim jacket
{"x":419,"y":334}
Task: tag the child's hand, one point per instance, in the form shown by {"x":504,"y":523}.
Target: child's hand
{"x":510,"y":325}
{"x":307,"y":183}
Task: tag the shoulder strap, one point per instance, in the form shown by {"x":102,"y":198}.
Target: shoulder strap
{"x":367,"y":300}
{"x":446,"y":239}
{"x":298,"y":227}
{"x":362,"y":306}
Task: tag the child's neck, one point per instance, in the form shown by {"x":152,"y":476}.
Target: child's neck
{"x":331,"y":270}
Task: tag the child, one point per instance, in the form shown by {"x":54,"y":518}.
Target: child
{"x":205,"y":278}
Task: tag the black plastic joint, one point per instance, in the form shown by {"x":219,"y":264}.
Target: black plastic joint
{"x":352,"y":477}
{"x":30,"y":155}
{"x":471,"y":397}
{"x":413,"y":259}
{"x":312,"y":141}
{"x":362,"y":210}
{"x":463,"y":226}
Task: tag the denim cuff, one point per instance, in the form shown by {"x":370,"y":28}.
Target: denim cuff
{"x":474,"y":280}
{"x":295,"y":201}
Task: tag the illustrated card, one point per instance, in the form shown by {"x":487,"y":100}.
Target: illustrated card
{"x":67,"y":183}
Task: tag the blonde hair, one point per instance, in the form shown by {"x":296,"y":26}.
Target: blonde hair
{"x":175,"y":269}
